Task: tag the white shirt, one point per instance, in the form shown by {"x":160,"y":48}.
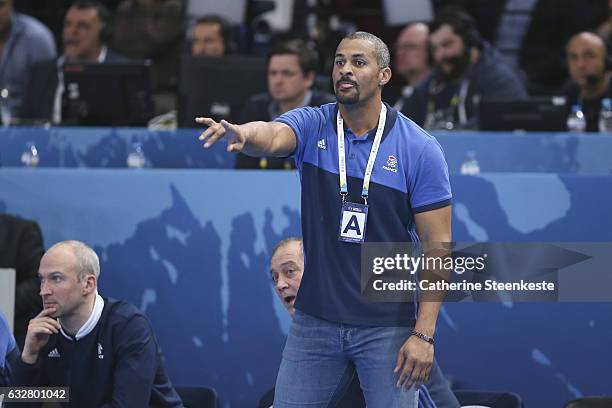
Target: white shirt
{"x":89,"y":325}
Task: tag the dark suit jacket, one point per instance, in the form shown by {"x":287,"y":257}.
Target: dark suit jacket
{"x":257,"y":108}
{"x":42,"y":86}
{"x":21,"y":247}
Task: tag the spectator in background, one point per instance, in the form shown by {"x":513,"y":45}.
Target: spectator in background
{"x":412,"y":58}
{"x":588,"y":63}
{"x":211,"y":37}
{"x":534,"y":33}
{"x":23,"y":41}
{"x":21,"y":247}
{"x":467,"y":68}
{"x":9,"y":353}
{"x":291,"y":75}
{"x":84,"y":37}
{"x":102,"y":348}
{"x":553,"y":22}
{"x":152,"y":29}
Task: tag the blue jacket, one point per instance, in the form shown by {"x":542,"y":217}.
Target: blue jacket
{"x":117,"y":364}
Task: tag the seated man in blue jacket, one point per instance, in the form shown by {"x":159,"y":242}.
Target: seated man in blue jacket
{"x":467,"y":69}
{"x":102,"y":348}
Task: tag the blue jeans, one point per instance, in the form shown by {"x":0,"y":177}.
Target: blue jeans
{"x":316,"y":366}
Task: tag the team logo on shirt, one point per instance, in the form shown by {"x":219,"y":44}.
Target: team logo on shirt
{"x":100,"y":351}
{"x":391,"y":164}
{"x":321,"y":144}
{"x":54,"y":354}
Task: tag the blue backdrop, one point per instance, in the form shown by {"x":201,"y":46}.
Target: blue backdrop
{"x":191,"y":248}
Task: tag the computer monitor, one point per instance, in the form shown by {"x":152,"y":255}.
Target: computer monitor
{"x":218,"y":87}
{"x":546,"y":113}
{"x":109,"y":94}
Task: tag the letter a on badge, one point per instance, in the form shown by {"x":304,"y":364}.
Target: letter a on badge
{"x":352,"y":223}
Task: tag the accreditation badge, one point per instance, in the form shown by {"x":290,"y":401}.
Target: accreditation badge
{"x":353,"y":218}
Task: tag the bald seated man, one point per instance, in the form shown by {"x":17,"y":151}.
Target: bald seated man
{"x":587,"y":55}
{"x":102,"y":348}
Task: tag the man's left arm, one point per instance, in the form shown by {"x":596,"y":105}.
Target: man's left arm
{"x":415,"y":358}
{"x":135,"y":368}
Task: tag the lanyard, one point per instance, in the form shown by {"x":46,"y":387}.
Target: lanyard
{"x":457,"y":101}
{"x":342,"y":154}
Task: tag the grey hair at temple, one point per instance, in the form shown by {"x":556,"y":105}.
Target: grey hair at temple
{"x":383,"y":57}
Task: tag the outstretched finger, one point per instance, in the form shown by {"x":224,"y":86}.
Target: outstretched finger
{"x":215,"y":136}
{"x":205,"y":121}
{"x":206,"y":134}
{"x":210,"y":130}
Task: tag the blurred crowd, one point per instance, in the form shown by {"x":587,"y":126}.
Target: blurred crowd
{"x":445,"y":65}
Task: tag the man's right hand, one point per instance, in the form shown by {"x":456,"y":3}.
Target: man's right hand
{"x":236,"y":137}
{"x":39,"y":330}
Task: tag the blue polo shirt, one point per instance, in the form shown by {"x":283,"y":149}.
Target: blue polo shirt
{"x":410,"y":175}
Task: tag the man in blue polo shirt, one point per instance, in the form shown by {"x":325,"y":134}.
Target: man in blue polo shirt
{"x":402,"y":194}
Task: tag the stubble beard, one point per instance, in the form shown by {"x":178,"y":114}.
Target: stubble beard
{"x":348,"y":99}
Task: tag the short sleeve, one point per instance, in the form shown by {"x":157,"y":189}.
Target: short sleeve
{"x":305,"y":123}
{"x":429,"y":181}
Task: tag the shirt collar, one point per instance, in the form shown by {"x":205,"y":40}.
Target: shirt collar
{"x":91,"y":322}
{"x":389,"y":123}
{"x":101,"y":57}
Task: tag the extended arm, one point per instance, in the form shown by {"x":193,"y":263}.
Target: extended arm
{"x":254,"y":138}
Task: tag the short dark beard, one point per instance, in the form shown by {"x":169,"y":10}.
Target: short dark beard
{"x":344,"y":99}
{"x":348,"y":100}
{"x":460,"y":64}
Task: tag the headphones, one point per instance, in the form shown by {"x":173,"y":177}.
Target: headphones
{"x":106,"y":33}
{"x":462,"y":24}
{"x":465,"y":27}
{"x":225,"y":28}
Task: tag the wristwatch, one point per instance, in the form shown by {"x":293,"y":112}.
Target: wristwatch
{"x":423,"y":337}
